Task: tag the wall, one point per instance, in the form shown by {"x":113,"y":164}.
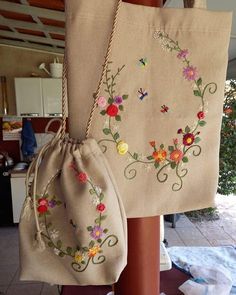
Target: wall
{"x":20,"y":62}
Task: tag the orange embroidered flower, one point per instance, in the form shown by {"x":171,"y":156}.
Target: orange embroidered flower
{"x":152,"y":143}
{"x":93,"y":251}
{"x":176,"y":156}
{"x":159,"y":155}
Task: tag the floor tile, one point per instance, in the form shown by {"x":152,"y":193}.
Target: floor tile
{"x":197,"y":243}
{"x":7,"y":273}
{"x":26,"y":289}
{"x":49,"y":290}
{"x":3,"y":289}
{"x":16,"y":280}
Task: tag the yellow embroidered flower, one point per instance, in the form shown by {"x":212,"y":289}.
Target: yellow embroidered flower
{"x":79,"y":256}
{"x":93,"y":251}
{"x":122,"y":147}
{"x":159,"y":155}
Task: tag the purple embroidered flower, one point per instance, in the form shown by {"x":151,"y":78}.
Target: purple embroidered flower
{"x":118,"y":100}
{"x":182,"y":54}
{"x":52,"y":203}
{"x":190,"y":73}
{"x":97,"y":232}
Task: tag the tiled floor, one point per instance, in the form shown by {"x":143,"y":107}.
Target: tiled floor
{"x":220,"y":232}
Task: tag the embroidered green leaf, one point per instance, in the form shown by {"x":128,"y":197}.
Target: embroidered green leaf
{"x":125,"y":96}
{"x":150,"y":158}
{"x":202,"y":123}
{"x":197,"y":93}
{"x":48,"y":225}
{"x":173,"y":165}
{"x":103,"y":112}
{"x":197,"y":139}
{"x":59,"y":244}
{"x":50,"y":244}
{"x":185,"y":159}
{"x":47,"y":213}
{"x":118,"y":118}
{"x":110,"y":100}
{"x":170,"y":148}
{"x":69,"y":250}
{"x":82,"y":262}
{"x":61,"y":254}
{"x":106,"y":131}
{"x":58,"y":202}
{"x":91,"y":244}
{"x":121,"y":107}
{"x":135,"y":156}
{"x":105,"y":230}
{"x":85,"y":249}
{"x":156,"y":165}
{"x":91,"y":191}
{"x":89,"y":228}
{"x":187,"y":129}
{"x":162,"y":146}
{"x":97,"y":220}
{"x":99,"y":240}
{"x":101,"y":196}
{"x":199,"y":81}
{"x":116,"y":136}
{"x":103,"y":217}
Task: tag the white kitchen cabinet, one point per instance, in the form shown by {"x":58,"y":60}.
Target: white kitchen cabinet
{"x":38,"y":97}
{"x":29,"y":100}
{"x":51,"y":91}
{"x":18,"y":194}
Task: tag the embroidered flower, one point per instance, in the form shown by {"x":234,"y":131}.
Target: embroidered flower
{"x":102,"y":102}
{"x":82,"y":177}
{"x":42,"y":209}
{"x":97,"y":189}
{"x":188,"y":139}
{"x":228,"y":111}
{"x":190,"y":73}
{"x":52,"y":203}
{"x":93,"y":251}
{"x":176,"y":156}
{"x":201,"y":115}
{"x":79,"y":256}
{"x":118,"y":100}
{"x":175,"y":141}
{"x":122,"y":147}
{"x":43,"y":202}
{"x":54,"y":233}
{"x":180,"y":131}
{"x":112,"y":110}
{"x":152,"y":143}
{"x":159,"y":155}
{"x":183,"y":54}
{"x":95,"y":200}
{"x":56,"y":251}
{"x":101,"y":207}
{"x":97,"y":232}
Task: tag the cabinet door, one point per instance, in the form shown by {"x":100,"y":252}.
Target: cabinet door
{"x":18,"y":196}
{"x":52,"y":94}
{"x":29,"y":97}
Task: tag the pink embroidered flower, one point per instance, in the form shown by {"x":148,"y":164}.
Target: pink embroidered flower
{"x":176,"y":156}
{"x":82,"y":177}
{"x":112,"y":110}
{"x":175,"y":141}
{"x":188,"y":139}
{"x":201,"y":115}
{"x":190,"y":73}
{"x":42,"y":209}
{"x":102,"y":102}
{"x":97,"y":232}
{"x":183,"y":54}
{"x":101,"y":207}
{"x":43,"y":202}
{"x":180,"y":131}
{"x":118,"y":100}
{"x":152,"y":143}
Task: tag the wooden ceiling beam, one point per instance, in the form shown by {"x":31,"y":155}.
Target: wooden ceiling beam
{"x":34,"y":11}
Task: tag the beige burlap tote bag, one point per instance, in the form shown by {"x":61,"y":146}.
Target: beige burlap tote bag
{"x":73,"y":224}
{"x":158,"y":114}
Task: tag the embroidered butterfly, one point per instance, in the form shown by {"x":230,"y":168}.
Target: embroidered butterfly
{"x":164,"y":109}
{"x":143,"y":62}
{"x":142,"y":93}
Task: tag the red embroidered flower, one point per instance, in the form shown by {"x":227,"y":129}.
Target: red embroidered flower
{"x":42,"y":209}
{"x":82,"y":177}
{"x":152,"y":143}
{"x":43,"y":202}
{"x":112,"y":110}
{"x":180,"y":131}
{"x":188,"y":139}
{"x":101,"y":207}
{"x":228,"y":111}
{"x":201,"y":115}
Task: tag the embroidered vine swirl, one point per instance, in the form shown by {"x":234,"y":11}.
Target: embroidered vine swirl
{"x":163,"y":159}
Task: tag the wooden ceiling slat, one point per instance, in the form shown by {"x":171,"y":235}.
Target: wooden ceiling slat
{"x":4,"y":28}
{"x":52,"y":4}
{"x":30,"y":32}
{"x":51,"y":22}
{"x":17,"y":16}
{"x":57,"y":36}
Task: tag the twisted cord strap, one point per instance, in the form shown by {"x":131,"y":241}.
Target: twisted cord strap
{"x":114,"y":26}
{"x":64,"y":98}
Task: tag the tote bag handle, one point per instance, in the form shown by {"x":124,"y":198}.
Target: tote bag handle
{"x":187,"y":4}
